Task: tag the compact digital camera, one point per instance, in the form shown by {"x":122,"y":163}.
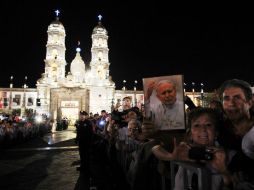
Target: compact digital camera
{"x":200,"y":153}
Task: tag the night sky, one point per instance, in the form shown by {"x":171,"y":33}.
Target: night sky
{"x":144,"y":41}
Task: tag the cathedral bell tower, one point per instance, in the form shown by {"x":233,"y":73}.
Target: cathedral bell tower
{"x":54,"y":64}
{"x":101,"y":87}
{"x":55,"y":54}
{"x":99,"y":62}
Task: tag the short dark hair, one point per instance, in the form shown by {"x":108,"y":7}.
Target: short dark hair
{"x":245,"y":86}
{"x":197,"y":112}
{"x":83,"y":113}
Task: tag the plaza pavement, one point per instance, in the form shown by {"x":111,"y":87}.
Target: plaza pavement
{"x":48,"y":163}
{"x":38,"y":165}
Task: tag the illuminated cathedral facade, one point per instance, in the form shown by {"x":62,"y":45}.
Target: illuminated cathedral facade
{"x":87,"y":86}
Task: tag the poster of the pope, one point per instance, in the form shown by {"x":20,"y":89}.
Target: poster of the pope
{"x":164,"y":101}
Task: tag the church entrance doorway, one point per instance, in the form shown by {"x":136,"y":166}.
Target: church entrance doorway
{"x":70,"y":111}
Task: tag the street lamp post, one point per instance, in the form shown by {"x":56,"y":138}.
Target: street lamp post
{"x":135,"y":85}
{"x":184,"y":86}
{"x":202,"y":93}
{"x":25,"y":86}
{"x":124,"y":82}
{"x":193,"y":89}
{"x":135,"y":88}
{"x":11,"y":86}
{"x":24,"y":96}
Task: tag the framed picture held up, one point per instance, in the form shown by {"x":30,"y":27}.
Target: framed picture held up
{"x":164,"y":101}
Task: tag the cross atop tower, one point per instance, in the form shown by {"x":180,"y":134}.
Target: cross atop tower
{"x":100,"y":17}
{"x":57,"y":12}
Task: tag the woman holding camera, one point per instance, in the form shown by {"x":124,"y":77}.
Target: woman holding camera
{"x":201,"y":147}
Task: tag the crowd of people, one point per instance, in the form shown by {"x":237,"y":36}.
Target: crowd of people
{"x":219,"y":138}
{"x":15,"y":129}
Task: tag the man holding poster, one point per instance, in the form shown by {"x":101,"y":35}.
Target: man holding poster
{"x":164,"y":102}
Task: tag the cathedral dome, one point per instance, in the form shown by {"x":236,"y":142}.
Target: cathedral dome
{"x":78,"y":66}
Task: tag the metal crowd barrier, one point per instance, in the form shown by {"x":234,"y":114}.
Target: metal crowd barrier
{"x":168,"y":181}
{"x":204,"y":175}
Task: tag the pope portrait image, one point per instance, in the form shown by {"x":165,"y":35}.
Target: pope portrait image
{"x":164,"y":101}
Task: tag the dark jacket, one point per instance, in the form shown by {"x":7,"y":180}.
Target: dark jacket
{"x":84,"y":132}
